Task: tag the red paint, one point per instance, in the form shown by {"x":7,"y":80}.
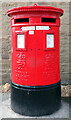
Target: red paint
{"x":35,"y":65}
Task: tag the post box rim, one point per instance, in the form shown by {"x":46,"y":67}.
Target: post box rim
{"x":35,"y":8}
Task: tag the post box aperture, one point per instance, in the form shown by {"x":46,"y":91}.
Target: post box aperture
{"x":35,"y":59}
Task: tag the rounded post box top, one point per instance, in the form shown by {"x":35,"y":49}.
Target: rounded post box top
{"x":33,"y":8}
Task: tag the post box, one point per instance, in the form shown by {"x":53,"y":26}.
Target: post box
{"x":35,"y":51}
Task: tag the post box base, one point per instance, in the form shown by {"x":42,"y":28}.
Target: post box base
{"x":36,"y":101}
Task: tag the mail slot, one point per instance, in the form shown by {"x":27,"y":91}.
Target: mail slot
{"x":35,"y":54}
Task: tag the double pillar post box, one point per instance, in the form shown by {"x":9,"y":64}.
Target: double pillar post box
{"x":35,"y":54}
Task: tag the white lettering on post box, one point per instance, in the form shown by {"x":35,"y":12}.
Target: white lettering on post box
{"x":50,"y":40}
{"x":31,"y":32}
{"x":42,"y":27}
{"x":28,"y":28}
{"x":20,"y":41}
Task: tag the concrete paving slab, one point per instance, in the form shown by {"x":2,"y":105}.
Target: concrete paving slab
{"x":5,"y":108}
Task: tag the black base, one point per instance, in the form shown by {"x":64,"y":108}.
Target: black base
{"x":36,"y":101}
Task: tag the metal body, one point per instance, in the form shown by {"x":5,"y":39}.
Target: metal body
{"x":36,"y":63}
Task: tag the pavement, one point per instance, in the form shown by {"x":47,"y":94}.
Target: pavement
{"x":6,"y":112}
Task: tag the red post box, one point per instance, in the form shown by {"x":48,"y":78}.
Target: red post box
{"x":35,"y":59}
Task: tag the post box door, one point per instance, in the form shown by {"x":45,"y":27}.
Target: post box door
{"x":23,"y":58}
{"x":47,"y":56}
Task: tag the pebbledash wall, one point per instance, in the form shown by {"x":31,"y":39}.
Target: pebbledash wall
{"x":6,"y":39}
